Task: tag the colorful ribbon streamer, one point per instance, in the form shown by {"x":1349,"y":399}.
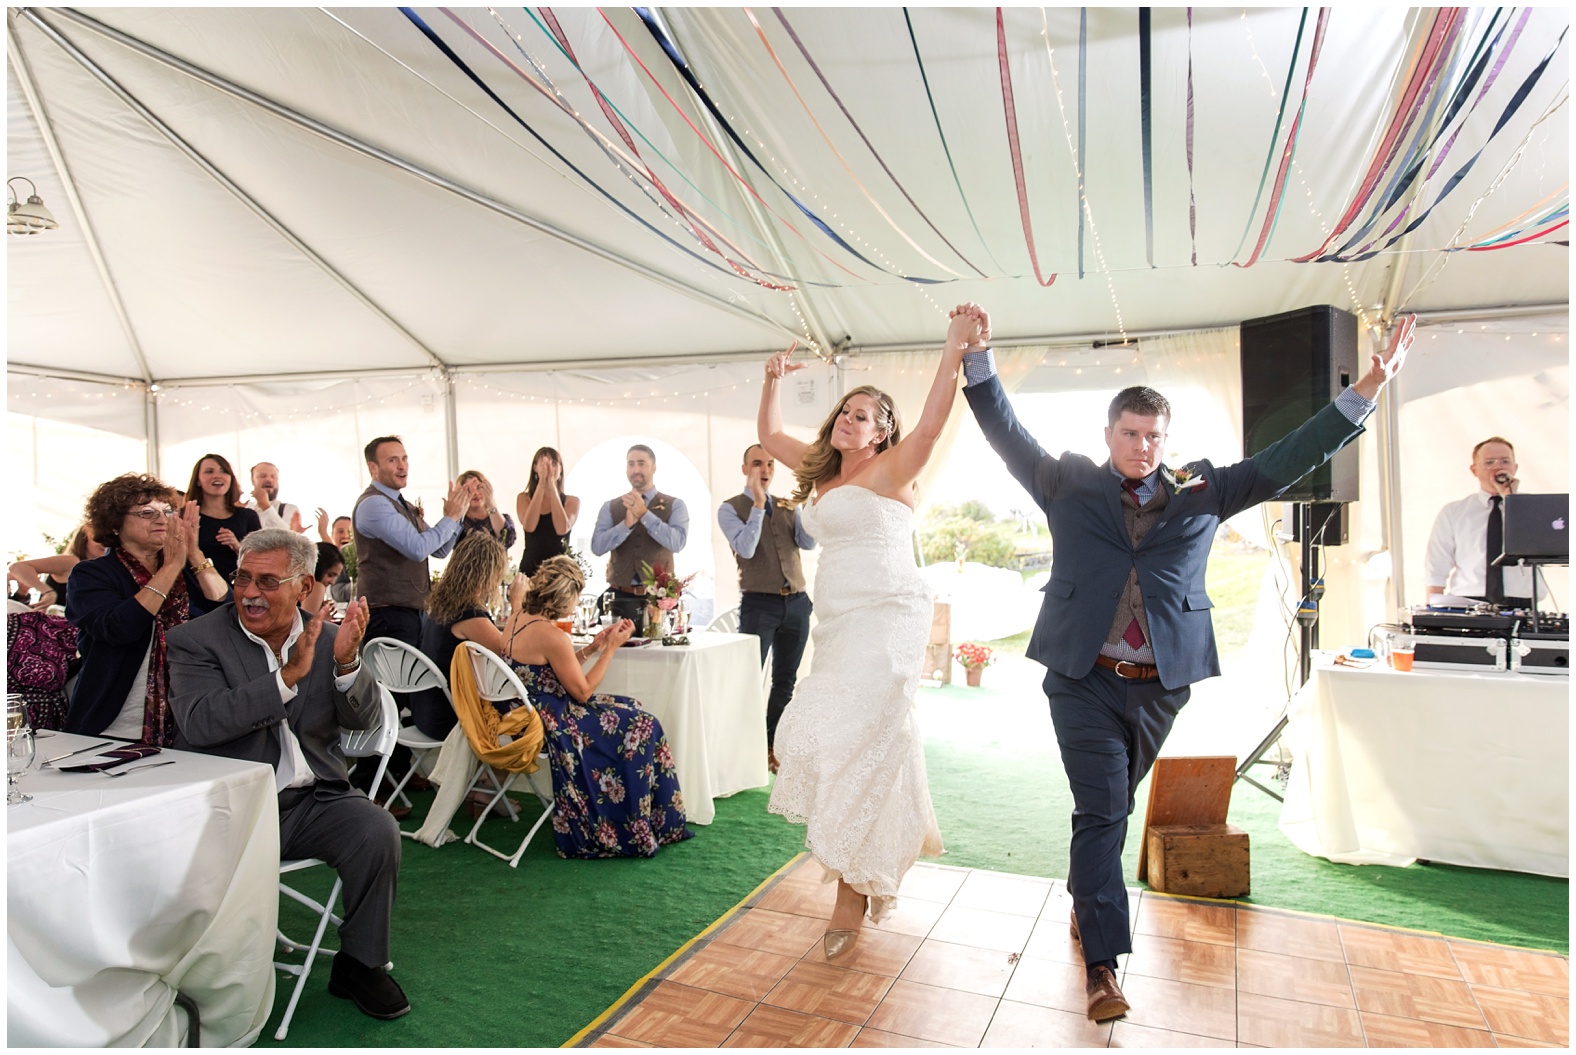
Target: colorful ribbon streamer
{"x":947,"y":150}
{"x":697,"y":225}
{"x":782,"y":18}
{"x":672,"y":52}
{"x":1280,"y":116}
{"x":1454,"y":181}
{"x":437,"y":42}
{"x":1014,"y":150}
{"x":1192,"y":202}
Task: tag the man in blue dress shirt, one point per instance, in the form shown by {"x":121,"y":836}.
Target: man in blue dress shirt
{"x":1125,"y":627}
{"x":766,"y":535}
{"x":642,"y":526}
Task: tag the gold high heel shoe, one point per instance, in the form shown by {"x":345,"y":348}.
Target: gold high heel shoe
{"x":837,"y":942}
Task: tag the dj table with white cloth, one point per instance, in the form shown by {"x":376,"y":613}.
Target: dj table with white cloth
{"x":1461,"y":768}
{"x":123,"y":890}
{"x":708,"y":696}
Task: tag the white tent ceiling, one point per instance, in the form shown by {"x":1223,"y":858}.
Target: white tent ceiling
{"x":247,"y":192}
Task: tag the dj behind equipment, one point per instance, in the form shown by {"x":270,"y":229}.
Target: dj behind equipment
{"x":1490,"y":637}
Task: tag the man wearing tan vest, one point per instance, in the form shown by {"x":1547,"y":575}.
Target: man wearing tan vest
{"x":766,"y":535}
{"x":644,"y":525}
{"x":393,"y":543}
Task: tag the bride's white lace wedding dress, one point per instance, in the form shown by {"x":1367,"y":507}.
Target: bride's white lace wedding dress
{"x":851,"y":759}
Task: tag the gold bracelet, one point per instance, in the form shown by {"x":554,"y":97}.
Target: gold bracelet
{"x":161,"y":593}
{"x":204,"y":566}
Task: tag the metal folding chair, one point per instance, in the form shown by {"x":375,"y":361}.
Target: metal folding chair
{"x":377,"y":742}
{"x":496,"y":681}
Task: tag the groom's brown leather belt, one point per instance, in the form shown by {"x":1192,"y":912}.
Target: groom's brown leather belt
{"x":1130,"y":671}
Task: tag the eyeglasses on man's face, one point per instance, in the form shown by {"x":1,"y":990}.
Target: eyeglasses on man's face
{"x":266,"y":583}
{"x":152,"y":513}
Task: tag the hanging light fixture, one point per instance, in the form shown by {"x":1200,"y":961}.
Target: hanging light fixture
{"x":30,"y":216}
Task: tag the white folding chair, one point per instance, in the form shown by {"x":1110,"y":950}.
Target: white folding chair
{"x":401,"y":668}
{"x":356,"y":743}
{"x":726,"y":623}
{"x":496,"y":681}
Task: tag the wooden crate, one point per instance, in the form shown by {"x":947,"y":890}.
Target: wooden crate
{"x":1205,"y":860}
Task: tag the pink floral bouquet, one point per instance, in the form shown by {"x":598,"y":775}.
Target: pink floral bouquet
{"x":663,"y":588}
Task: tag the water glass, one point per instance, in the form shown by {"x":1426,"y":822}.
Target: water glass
{"x":19,"y":749}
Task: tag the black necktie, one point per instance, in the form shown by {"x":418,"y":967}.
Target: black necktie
{"x":768,"y":505}
{"x":1494,"y":581}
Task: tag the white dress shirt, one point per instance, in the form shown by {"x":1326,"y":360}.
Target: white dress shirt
{"x":1457,"y":552}
{"x":292,"y":770}
{"x":277,"y":515}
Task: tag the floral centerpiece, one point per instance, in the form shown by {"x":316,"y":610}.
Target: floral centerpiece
{"x":974,"y":658}
{"x":663,"y":591}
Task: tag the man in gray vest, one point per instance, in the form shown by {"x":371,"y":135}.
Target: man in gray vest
{"x":644,"y":525}
{"x":393,"y":543}
{"x":766,"y":535}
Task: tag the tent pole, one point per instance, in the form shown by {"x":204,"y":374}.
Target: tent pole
{"x":334,"y":135}
{"x":24,"y":77}
{"x":452,"y":431}
{"x":213,"y":172}
{"x":1389,"y":438}
{"x":150,"y":427}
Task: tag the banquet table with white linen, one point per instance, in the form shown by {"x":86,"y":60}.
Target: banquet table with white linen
{"x":1462,"y":768}
{"x":709,"y":697}
{"x":122,"y":890}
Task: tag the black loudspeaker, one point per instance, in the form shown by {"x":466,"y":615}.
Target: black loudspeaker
{"x":1293,"y":365}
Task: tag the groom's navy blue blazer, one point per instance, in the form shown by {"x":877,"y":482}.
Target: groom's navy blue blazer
{"x":1093,"y":552}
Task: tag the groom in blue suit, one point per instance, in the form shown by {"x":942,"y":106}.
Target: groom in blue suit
{"x":1125,"y":627}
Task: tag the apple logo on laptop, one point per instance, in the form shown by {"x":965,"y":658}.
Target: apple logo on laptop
{"x":1559,"y":524}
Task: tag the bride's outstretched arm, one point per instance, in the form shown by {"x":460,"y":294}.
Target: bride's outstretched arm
{"x":788,"y":451}
{"x":904,"y":461}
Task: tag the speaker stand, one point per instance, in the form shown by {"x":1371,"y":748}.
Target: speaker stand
{"x":1307,"y":642}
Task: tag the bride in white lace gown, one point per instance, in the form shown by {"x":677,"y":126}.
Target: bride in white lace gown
{"x":851,"y":758}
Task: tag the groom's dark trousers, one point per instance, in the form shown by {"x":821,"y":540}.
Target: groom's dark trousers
{"x":1110,"y":729}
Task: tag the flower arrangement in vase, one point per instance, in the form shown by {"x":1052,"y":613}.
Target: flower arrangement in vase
{"x":663,"y":590}
{"x":974,"y":658}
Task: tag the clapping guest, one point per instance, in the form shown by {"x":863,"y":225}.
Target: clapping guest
{"x":222,"y":521}
{"x":48,"y":575}
{"x":482,"y":514}
{"x":457,"y":611}
{"x":547,"y":514}
{"x":615,"y":792}
{"x":124,"y":603}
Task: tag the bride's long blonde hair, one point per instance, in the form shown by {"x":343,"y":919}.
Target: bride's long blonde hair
{"x":823,"y":462}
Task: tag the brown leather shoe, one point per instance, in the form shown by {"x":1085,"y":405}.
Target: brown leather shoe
{"x":1072,"y":927}
{"x":1105,"y":996}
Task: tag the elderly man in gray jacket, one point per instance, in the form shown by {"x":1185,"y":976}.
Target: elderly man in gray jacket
{"x":262,"y":680}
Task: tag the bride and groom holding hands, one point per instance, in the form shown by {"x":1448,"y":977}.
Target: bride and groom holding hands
{"x":1123,"y":631}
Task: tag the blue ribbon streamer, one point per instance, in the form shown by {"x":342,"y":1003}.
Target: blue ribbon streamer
{"x":672,"y":52}
{"x":1145,"y":56}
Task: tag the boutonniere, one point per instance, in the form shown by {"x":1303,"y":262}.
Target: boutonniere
{"x":656,"y":505}
{"x":1186,"y":479}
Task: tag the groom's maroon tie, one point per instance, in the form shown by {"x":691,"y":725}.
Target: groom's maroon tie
{"x":1134,"y":634}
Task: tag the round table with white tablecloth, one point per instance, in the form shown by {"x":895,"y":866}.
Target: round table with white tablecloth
{"x":122,"y":890}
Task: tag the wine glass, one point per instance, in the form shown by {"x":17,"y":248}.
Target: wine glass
{"x":19,"y":749}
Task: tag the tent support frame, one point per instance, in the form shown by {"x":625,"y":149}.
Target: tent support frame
{"x":334,"y":135}
{"x":35,"y":103}
{"x":214,"y":173}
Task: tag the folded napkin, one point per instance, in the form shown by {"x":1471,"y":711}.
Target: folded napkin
{"x":110,"y":759}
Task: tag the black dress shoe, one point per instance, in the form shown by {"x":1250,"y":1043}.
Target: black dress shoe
{"x":372,"y":989}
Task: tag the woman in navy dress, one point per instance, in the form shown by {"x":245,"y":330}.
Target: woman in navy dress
{"x":221,"y":525}
{"x":614,"y":789}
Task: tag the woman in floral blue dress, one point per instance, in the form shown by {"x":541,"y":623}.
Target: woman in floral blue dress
{"x":615,"y":793}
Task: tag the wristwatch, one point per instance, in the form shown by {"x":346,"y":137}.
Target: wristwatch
{"x":342,"y":669}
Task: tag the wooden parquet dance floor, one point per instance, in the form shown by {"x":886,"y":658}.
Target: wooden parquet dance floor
{"x":983,"y":959}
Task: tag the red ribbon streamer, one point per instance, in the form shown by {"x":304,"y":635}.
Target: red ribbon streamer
{"x":1013,"y":148}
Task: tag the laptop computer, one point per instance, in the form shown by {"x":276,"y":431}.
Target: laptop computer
{"x":1536,"y":529}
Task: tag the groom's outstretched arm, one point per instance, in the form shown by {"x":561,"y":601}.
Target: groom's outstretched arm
{"x":1037,"y":471}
